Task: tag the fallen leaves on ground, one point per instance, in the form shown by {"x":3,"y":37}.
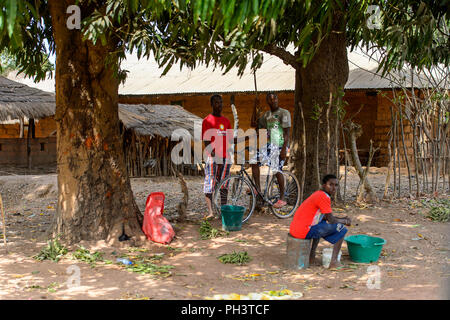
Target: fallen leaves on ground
{"x":284,"y":294}
{"x":245,"y":277}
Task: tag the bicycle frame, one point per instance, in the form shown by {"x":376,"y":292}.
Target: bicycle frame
{"x":243,"y":172}
{"x":267,"y":195}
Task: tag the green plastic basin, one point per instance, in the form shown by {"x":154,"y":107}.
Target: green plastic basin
{"x":232,"y":217}
{"x":363,"y":248}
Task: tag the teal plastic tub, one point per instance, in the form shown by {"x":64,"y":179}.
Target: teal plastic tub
{"x":232,"y":217}
{"x":363,"y":248}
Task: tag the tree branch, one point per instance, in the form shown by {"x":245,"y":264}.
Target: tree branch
{"x":287,"y":57}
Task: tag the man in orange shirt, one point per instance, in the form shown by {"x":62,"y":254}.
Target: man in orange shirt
{"x":314,"y":220}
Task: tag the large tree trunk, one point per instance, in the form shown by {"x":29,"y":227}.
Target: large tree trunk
{"x":94,"y":193}
{"x":317,"y":85}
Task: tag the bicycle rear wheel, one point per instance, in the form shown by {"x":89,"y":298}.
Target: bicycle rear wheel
{"x":291,"y":194}
{"x":234,"y":191}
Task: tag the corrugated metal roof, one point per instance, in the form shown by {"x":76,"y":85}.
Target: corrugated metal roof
{"x":144,"y":78}
{"x":47,"y":85}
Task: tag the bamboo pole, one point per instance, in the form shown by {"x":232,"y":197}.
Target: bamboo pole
{"x":413,"y":103}
{"x":337,"y":145}
{"x":327,"y":117}
{"x":424,"y":150}
{"x":345,"y":161}
{"x":448,"y":166}
{"x":442,"y":137}
{"x":133,"y":153}
{"x":304,"y":151}
{"x":21,"y":127}
{"x":140,"y":158}
{"x":420,"y":147}
{"x":152,"y":156}
{"x":405,"y":153}
{"x":390,"y":165}
{"x":4,"y":223}
{"x":444,"y":166}
{"x":394,"y":148}
{"x":416,"y":164}
{"x":398,"y":156}
{"x":29,"y":144}
{"x":316,"y":154}
{"x":164,"y":158}
{"x":433,"y":159}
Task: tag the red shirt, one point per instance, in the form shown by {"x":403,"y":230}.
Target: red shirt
{"x":220,"y":126}
{"x":310,"y":213}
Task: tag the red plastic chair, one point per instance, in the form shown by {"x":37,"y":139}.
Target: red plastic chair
{"x":155,"y":226}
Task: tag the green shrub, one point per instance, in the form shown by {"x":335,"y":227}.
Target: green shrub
{"x":145,"y":267}
{"x":54,"y":251}
{"x":240,"y":258}
{"x":208,"y":232}
{"x":439,"y":209}
{"x":440,"y":214}
{"x":85,"y":255}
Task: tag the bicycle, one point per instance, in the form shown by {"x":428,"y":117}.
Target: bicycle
{"x":244,"y":192}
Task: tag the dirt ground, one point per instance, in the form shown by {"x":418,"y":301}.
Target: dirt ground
{"x":414,"y":263}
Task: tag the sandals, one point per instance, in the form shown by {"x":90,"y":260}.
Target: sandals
{"x":279,"y":204}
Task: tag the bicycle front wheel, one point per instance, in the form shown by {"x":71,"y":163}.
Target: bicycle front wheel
{"x":291,"y":194}
{"x":236,"y":191}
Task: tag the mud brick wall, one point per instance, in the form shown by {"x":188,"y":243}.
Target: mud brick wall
{"x":367,"y":102}
{"x":9,"y":130}
{"x":199,"y":104}
{"x":374,"y":117}
{"x":44,"y":128}
{"x":383,"y":124}
{"x":13,"y":151}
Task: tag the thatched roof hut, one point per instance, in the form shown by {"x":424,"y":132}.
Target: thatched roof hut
{"x":147,"y":137}
{"x":147,"y":128}
{"x":19,"y":101}
{"x":156,"y":120}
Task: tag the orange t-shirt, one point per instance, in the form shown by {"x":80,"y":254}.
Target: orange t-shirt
{"x":310,"y":213}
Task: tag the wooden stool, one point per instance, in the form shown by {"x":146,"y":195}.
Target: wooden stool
{"x":297,"y":252}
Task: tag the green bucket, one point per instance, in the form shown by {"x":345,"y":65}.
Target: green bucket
{"x":365,"y":249}
{"x":232,"y":217}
